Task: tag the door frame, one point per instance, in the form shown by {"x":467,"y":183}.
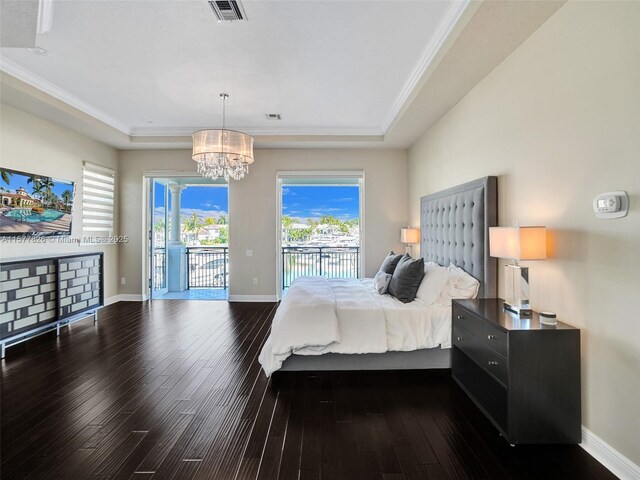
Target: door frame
{"x":146,"y":220}
{"x":151,"y":236}
{"x":283,"y":174}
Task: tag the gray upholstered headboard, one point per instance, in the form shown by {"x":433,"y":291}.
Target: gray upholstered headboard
{"x":454,"y":226}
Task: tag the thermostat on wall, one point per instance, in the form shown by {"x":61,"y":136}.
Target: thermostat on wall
{"x":611,"y":204}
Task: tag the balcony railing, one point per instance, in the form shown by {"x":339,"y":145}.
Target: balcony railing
{"x":332,"y":262}
{"x":159,"y":270}
{"x":208,"y":267}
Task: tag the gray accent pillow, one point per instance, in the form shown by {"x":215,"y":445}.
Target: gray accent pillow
{"x":381,"y":282}
{"x":390,"y":263}
{"x":406,"y":278}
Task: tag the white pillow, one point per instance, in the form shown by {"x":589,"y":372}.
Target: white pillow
{"x":435,"y":279}
{"x":460,"y":285}
{"x":381,"y":282}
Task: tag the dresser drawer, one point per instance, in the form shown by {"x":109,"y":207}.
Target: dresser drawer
{"x":478,"y":350}
{"x":490,"y":335}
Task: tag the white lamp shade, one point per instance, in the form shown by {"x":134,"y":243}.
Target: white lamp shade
{"x":210,"y":144}
{"x":410,"y":235}
{"x":518,"y":243}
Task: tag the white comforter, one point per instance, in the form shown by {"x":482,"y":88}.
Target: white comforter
{"x":321,"y":315}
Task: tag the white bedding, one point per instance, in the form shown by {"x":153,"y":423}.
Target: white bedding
{"x":320,"y":315}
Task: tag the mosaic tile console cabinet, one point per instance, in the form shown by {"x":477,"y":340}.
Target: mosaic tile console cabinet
{"x":41,"y":294}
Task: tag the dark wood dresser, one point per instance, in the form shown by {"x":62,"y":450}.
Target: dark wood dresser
{"x":524,"y":376}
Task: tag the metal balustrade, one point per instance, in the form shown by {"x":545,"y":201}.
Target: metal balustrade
{"x":331,"y":262}
{"x":159,"y":270}
{"x":208,"y":267}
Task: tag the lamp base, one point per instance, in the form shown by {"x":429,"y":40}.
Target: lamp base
{"x":517,"y":290}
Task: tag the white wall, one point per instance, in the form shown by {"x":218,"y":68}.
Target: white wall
{"x":33,"y":145}
{"x":252,"y":208}
{"x":558,"y":122}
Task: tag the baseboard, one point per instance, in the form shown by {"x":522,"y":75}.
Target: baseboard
{"x":111,"y":300}
{"x":608,"y":456}
{"x":132,"y":297}
{"x":252,"y":298}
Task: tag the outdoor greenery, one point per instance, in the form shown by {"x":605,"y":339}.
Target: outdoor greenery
{"x":291,"y":234}
{"x":222,"y":238}
{"x":6,"y":177}
{"x":191,"y":226}
{"x":42,"y":190}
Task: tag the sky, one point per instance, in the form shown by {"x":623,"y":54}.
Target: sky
{"x":298,"y":201}
{"x":18,"y":180}
{"x":204,"y":201}
{"x":301,"y":201}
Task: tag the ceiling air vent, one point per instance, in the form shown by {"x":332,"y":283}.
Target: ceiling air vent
{"x":273,"y":116}
{"x":228,"y":10}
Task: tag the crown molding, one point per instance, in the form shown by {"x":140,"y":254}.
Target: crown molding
{"x":260,"y":131}
{"x":445,"y":27}
{"x":168,"y":133}
{"x":49,"y":88}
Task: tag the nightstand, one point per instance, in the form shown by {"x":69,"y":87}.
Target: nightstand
{"x":524,"y":376}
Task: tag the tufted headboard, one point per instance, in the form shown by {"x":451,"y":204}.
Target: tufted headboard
{"x":454,"y":226}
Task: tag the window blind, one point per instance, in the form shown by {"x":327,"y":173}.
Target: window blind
{"x":98,"y":192}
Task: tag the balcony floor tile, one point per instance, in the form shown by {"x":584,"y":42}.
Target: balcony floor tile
{"x":195,"y":294}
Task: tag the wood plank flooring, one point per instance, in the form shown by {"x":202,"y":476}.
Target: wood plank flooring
{"x":173,"y":389}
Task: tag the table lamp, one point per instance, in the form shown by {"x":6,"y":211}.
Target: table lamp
{"x":409,"y":236}
{"x":517,"y":243}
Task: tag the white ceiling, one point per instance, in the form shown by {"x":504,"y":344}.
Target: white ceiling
{"x":155,"y":68}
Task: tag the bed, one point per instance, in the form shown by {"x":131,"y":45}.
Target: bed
{"x":340,"y":324}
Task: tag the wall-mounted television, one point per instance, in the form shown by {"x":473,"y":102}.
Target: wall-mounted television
{"x":34,"y":205}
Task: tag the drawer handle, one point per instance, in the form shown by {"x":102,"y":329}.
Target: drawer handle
{"x":492,"y":337}
{"x":461,"y":339}
{"x":460,"y":317}
{"x":493,"y":362}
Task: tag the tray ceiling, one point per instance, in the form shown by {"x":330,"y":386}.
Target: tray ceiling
{"x":155,"y":68}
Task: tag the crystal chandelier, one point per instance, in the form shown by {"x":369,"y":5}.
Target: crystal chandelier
{"x":222,"y":153}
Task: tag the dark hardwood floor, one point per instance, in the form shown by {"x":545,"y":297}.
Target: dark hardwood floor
{"x":172,"y":389}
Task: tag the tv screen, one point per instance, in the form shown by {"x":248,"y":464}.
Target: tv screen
{"x":34,"y":205}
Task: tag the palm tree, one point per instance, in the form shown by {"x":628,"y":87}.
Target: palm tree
{"x":223,"y":237}
{"x":192,"y":224}
{"x":6,"y":176}
{"x":48,"y":184}
{"x":222,"y":220}
{"x":33,"y":179}
{"x":67,"y":196}
{"x":38,"y":189}
{"x":287,"y":221}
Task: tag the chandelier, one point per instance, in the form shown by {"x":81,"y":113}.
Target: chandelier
{"x":222,"y":153}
